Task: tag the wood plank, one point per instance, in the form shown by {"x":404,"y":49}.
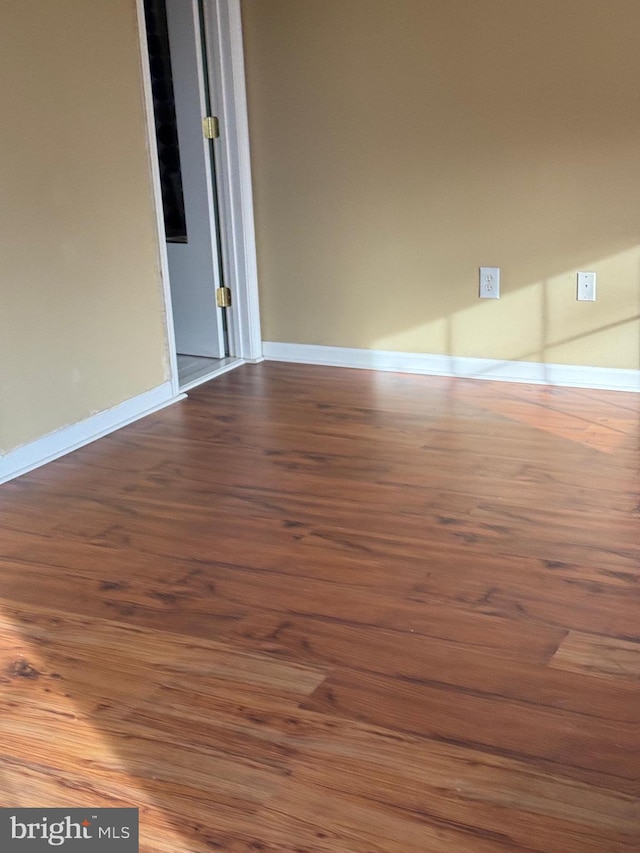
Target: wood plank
{"x":576,"y":746}
{"x":598,"y":656}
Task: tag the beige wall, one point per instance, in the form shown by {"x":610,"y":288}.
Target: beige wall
{"x":398,"y":145}
{"x":81,"y":309}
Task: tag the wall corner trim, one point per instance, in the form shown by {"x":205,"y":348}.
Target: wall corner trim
{"x":59,"y":443}
{"x":575,"y":376}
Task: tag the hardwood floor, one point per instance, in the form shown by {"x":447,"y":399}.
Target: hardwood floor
{"x":316,"y":610}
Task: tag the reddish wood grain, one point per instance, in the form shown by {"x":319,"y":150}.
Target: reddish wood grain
{"x":329,"y":611}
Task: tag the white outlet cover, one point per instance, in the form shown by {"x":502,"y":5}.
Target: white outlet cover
{"x":489,"y":283}
{"x":586,"y":287}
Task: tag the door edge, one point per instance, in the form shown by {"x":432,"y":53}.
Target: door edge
{"x":223,"y":32}
{"x":152,"y":151}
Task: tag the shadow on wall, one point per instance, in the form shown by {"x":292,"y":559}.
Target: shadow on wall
{"x":556,"y":329}
{"x":398,"y":146}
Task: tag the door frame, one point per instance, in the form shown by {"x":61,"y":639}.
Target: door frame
{"x":233,"y":177}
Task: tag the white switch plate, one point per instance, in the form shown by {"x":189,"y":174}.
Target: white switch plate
{"x":586,"y":287}
{"x":489,"y":283}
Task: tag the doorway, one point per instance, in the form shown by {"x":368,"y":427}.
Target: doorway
{"x":202,"y":184}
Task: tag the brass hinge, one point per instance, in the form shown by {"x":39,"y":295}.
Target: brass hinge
{"x":223,"y":297}
{"x":211,"y":127}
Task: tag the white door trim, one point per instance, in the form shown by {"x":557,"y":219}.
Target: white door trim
{"x":233,"y":162}
{"x":223,"y":26}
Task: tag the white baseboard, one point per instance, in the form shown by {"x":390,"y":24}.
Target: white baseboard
{"x":576,"y":376}
{"x":55,"y":444}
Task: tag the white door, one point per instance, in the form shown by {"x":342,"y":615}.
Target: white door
{"x":194,"y":265}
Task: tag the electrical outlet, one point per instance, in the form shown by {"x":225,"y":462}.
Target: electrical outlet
{"x":489,"y":283}
{"x":586,"y":287}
